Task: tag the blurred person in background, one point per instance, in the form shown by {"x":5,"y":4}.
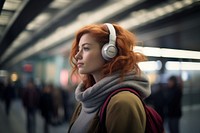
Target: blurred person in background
{"x":174,"y":96}
{"x":103,"y":56}
{"x":30,"y":101}
{"x":2,"y":88}
{"x":158,"y":100}
{"x":58,"y":109}
{"x":8,"y":96}
{"x":71,"y":102}
{"x":65,"y":99}
{"x":46,"y":106}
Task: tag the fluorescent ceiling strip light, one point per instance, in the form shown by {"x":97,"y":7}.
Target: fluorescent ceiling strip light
{"x":4,"y":20}
{"x":16,"y":44}
{"x":3,"y":73}
{"x":98,"y":15}
{"x":141,"y":17}
{"x":107,"y":11}
{"x":11,"y":5}
{"x":173,"y":65}
{"x":150,"y":65}
{"x":38,"y":21}
{"x":59,"y":4}
{"x":168,"y":53}
{"x":186,"y":54}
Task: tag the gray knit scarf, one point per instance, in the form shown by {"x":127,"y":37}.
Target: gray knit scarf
{"x":93,"y":97}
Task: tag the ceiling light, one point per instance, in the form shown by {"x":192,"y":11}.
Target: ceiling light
{"x":152,"y":14}
{"x":11,"y":5}
{"x":188,"y":2}
{"x":173,"y":65}
{"x":4,"y":19}
{"x":38,"y":21}
{"x":177,"y":53}
{"x":148,"y":51}
{"x":6,"y":54}
{"x":178,"y":4}
{"x":150,"y":65}
{"x":160,"y":11}
{"x":59,"y":4}
{"x":168,"y":8}
{"x":111,"y":9}
{"x":168,"y":53}
{"x":3,"y":73}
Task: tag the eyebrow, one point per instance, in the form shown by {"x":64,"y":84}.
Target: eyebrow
{"x":84,"y":44}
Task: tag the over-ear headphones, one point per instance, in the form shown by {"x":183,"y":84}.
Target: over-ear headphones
{"x":109,"y":49}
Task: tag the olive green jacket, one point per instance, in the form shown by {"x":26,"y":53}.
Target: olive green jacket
{"x":124,"y":114}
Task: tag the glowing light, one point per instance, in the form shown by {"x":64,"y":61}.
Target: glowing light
{"x":75,"y":79}
{"x":150,"y":65}
{"x":168,"y":53}
{"x":3,"y":73}
{"x":173,"y":65}
{"x":184,"y":76}
{"x":64,"y":75}
{"x":14,"y":77}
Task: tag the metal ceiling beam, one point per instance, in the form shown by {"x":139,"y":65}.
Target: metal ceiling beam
{"x":30,"y":11}
{"x":58,"y":20}
{"x":1,"y":5}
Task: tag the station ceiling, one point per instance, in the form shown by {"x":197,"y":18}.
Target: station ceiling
{"x":36,"y":28}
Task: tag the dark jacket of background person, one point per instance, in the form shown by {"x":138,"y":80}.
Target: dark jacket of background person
{"x":31,"y":101}
{"x":46,"y":106}
{"x":157,"y":100}
{"x":2,"y":88}
{"x":8,"y":96}
{"x":30,"y":97}
{"x":46,"y":103}
{"x":58,"y":109}
{"x":174,"y":96}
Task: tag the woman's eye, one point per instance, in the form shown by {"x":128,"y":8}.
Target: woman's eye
{"x":85,"y":48}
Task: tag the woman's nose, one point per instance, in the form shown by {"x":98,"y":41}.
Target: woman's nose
{"x":78,"y":55}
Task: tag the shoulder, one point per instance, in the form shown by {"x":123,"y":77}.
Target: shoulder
{"x":126,"y":102}
{"x":125,"y":113}
{"x":126,"y":99}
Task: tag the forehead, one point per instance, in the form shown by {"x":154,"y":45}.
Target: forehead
{"x":87,"y":39}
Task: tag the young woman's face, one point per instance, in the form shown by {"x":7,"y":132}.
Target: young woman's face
{"x":89,"y":59}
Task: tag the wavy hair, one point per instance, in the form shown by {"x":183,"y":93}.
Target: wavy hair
{"x":126,"y":59}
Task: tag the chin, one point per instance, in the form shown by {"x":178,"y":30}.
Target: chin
{"x":82,"y":72}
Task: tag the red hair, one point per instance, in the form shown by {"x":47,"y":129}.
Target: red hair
{"x":126,"y":59}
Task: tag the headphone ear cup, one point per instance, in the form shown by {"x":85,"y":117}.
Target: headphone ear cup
{"x":109,"y":51}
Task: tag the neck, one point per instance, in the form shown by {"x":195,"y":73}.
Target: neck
{"x":97,"y":77}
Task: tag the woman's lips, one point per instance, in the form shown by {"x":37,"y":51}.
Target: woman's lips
{"x":80,"y":65}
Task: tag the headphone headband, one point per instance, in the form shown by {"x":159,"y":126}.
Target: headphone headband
{"x":112,"y":35}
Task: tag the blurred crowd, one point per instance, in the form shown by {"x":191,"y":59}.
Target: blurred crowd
{"x":54,"y":104}
{"x":166,"y":99}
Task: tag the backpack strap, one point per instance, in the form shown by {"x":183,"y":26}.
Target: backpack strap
{"x":105,"y":104}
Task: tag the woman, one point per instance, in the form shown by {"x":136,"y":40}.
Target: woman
{"x":103,"y":56}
